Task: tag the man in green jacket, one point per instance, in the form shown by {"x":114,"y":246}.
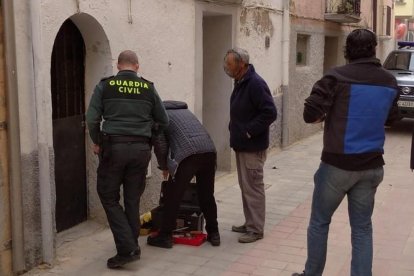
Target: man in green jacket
{"x":129,"y":106}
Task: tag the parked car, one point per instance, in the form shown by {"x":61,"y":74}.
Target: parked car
{"x":401,"y":64}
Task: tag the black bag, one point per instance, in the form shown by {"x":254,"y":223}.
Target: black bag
{"x":188,"y":201}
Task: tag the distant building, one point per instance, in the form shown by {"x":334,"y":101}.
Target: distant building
{"x":317,"y":36}
{"x":404,"y":20}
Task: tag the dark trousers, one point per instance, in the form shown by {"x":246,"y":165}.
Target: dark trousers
{"x":123,"y":164}
{"x":203,"y":167}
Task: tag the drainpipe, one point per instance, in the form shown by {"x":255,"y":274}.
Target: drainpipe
{"x":13,"y":140}
{"x":285,"y":72}
{"x":45,"y":180}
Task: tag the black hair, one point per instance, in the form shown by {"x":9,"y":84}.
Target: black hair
{"x":360,"y":43}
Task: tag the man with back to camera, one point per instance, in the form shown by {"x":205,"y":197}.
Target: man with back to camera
{"x":252,"y":111}
{"x":355,"y":101}
{"x":185,"y":150}
{"x":129,"y":106}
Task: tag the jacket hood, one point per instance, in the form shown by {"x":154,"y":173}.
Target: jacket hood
{"x":175,"y":105}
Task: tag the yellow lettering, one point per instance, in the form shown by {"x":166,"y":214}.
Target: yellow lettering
{"x":131,"y":83}
{"x":145,"y":86}
{"x":125,"y":83}
{"x":121,"y":89}
{"x":112,"y":83}
{"x":118,"y":82}
{"x":136,"y":84}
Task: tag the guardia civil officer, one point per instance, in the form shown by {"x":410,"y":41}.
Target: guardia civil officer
{"x":128,"y":105}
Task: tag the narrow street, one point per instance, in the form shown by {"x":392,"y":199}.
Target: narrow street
{"x":84,"y":250}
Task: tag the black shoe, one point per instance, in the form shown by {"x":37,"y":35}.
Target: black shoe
{"x":239,"y":229}
{"x":119,"y":260}
{"x":161,"y":240}
{"x":298,"y":274}
{"x":214,"y":238}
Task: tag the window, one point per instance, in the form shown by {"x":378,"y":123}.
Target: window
{"x":388,"y":27}
{"x":400,"y":61}
{"x":302,"y":45}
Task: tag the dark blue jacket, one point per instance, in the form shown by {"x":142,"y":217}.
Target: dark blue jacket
{"x":357,"y":99}
{"x":252,"y":110}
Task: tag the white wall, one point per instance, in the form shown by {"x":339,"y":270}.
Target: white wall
{"x":258,"y":20}
{"x":254,"y":25}
{"x":157,"y":34}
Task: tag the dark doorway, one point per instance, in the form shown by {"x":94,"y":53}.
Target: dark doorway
{"x":68,"y":101}
{"x":330,"y":53}
{"x":217,"y":86}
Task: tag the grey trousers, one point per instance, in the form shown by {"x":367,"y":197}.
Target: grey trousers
{"x":250,"y":175}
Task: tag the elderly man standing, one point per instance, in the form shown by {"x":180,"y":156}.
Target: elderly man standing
{"x":129,"y":106}
{"x":252,"y":110}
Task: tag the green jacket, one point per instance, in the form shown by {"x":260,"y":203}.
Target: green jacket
{"x":128,"y":104}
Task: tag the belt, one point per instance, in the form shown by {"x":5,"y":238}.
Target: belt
{"x":125,"y":139}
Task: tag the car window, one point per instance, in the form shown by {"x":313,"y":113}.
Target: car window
{"x":400,"y":61}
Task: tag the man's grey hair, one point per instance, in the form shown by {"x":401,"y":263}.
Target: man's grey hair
{"x":239,"y":55}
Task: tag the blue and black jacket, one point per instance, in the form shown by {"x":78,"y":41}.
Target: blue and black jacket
{"x":356,"y":101}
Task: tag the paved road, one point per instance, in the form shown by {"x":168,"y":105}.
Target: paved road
{"x":83,"y":250}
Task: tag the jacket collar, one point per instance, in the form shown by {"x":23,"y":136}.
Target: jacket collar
{"x":250,"y":71}
{"x":366,"y":60}
{"x":126,"y":73}
{"x":174,"y":105}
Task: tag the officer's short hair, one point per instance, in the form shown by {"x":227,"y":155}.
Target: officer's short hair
{"x":360,"y":43}
{"x":128,"y":57}
{"x":239,"y":55}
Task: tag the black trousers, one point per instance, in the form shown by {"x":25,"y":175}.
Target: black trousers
{"x":123,"y":164}
{"x":203,"y":167}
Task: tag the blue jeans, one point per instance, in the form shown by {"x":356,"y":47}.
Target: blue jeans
{"x":331,"y":186}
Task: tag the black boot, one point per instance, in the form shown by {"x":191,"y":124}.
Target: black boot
{"x":119,"y":260}
{"x":214,"y":238}
{"x":161,"y":240}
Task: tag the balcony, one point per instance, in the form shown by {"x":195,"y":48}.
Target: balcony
{"x":343,"y":11}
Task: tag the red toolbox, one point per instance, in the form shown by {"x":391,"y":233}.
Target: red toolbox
{"x":191,"y":239}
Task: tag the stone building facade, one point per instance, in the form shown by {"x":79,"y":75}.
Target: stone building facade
{"x":63,"y":48}
{"x":58,"y":51}
{"x":317,"y":39}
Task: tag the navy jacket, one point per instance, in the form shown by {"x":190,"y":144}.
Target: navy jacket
{"x":357,"y":99}
{"x":184,"y":137}
{"x":252,"y":110}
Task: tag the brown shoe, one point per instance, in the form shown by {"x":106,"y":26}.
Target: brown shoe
{"x":239,"y":229}
{"x":250,"y":237}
